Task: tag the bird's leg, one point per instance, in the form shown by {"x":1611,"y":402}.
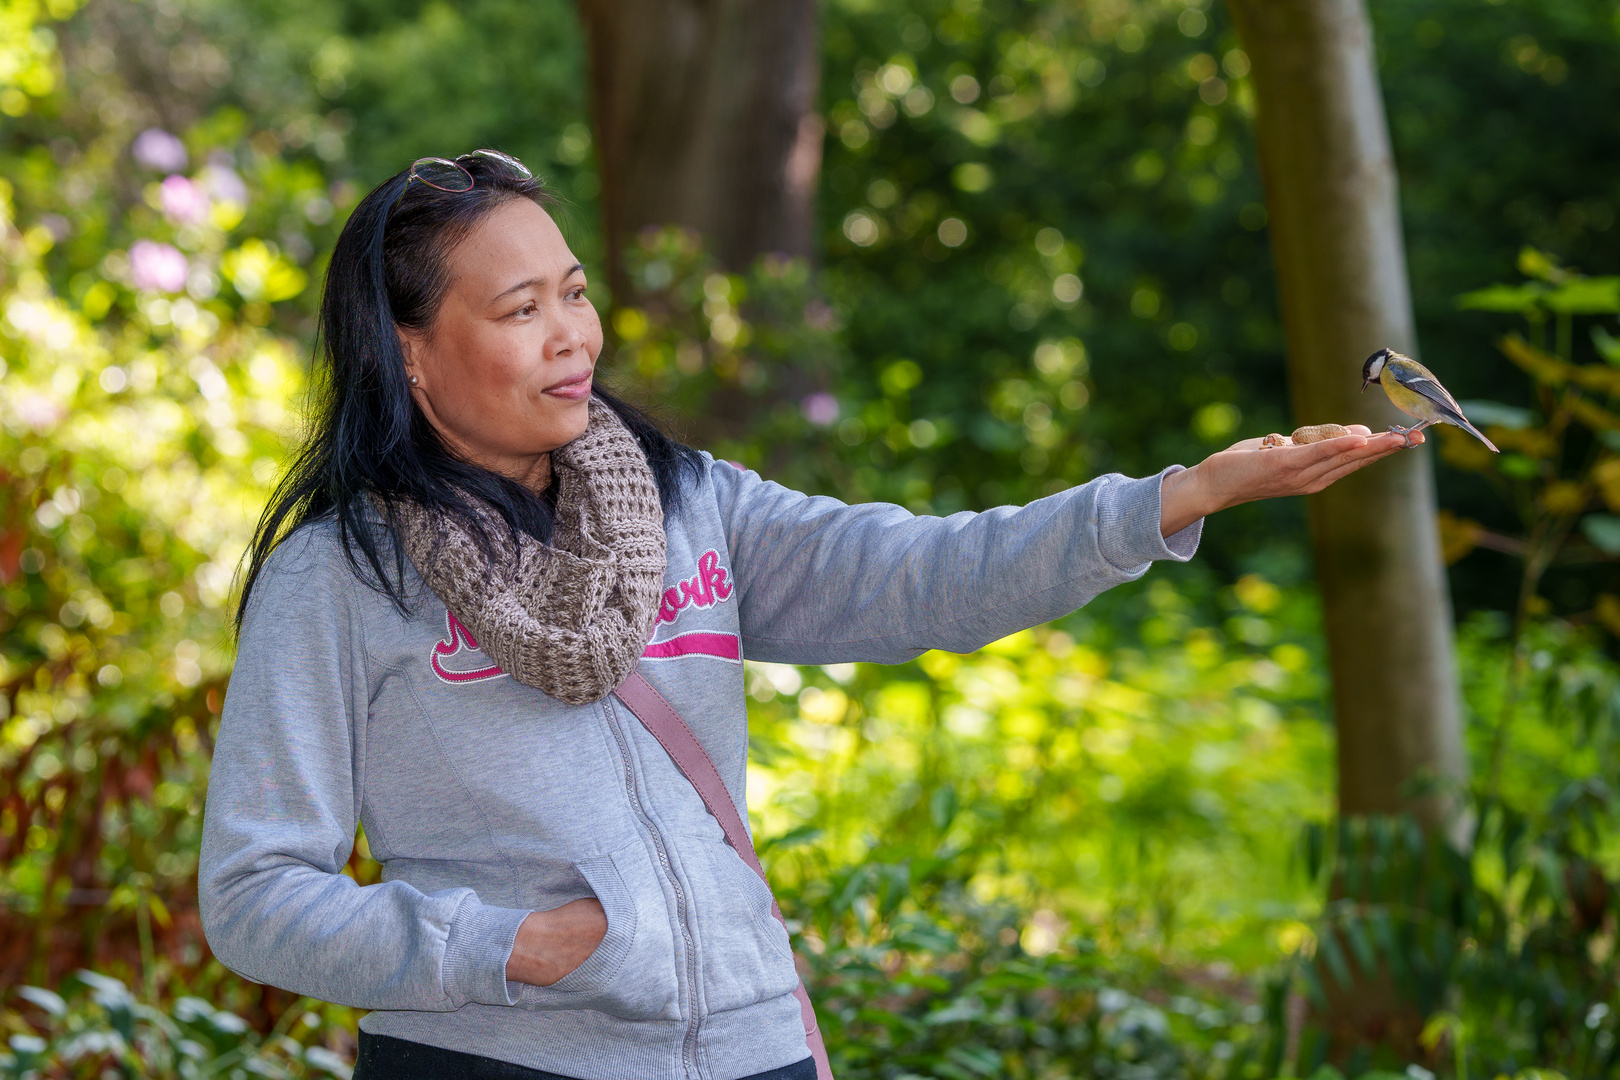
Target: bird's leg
{"x":1408,"y":432}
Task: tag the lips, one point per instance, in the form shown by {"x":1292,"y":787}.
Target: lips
{"x":574,"y":388}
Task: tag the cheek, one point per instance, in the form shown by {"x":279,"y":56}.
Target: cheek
{"x":593,"y":332}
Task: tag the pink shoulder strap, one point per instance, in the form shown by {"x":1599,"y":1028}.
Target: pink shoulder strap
{"x":659,"y":717}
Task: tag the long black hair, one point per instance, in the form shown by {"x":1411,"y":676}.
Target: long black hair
{"x":367,"y":440}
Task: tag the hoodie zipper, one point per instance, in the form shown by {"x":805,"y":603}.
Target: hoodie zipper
{"x":689,"y":1044}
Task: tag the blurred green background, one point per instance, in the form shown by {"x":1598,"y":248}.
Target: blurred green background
{"x":1100,"y":848}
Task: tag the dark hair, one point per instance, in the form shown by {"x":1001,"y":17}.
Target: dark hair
{"x":367,"y":438}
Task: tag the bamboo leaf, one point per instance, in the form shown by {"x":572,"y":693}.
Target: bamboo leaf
{"x":1330,"y":952}
{"x":1383,"y":930}
{"x":1361,"y":946}
{"x":1313,"y":984}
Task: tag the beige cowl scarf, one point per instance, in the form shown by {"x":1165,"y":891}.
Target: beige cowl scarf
{"x":571,"y":617}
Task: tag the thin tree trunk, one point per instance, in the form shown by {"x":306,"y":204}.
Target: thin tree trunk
{"x":1341,"y":268}
{"x":705,"y":117}
{"x":1336,"y":238}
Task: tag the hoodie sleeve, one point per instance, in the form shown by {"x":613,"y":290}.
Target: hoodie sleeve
{"x":823,"y":582}
{"x":284,"y":798}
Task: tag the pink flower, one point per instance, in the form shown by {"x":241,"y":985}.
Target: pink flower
{"x":820,"y":408}
{"x":222,"y":183}
{"x":157,"y":266}
{"x":184,"y":202}
{"x":157,"y":149}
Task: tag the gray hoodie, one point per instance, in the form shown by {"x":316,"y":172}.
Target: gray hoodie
{"x":485,"y":799}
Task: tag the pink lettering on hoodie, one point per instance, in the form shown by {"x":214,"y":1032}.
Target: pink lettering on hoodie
{"x":708,"y":587}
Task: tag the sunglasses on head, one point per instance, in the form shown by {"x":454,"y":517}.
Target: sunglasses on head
{"x":444,"y":174}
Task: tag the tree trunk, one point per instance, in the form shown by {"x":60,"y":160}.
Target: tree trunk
{"x":1336,"y":238}
{"x":1341,"y":269}
{"x":704,"y":118}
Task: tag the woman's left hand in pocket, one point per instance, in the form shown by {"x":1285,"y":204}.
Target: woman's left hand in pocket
{"x":550,"y":944}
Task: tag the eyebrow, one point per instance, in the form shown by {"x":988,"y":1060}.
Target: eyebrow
{"x":520,"y":286}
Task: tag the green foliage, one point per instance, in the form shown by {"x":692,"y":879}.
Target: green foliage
{"x":144,"y":405}
{"x":1142,"y":787}
{"x":101,"y":1026}
{"x":1506,"y":940}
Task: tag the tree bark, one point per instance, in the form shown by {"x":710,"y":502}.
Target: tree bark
{"x":1341,"y":268}
{"x":1336,"y":238}
{"x":704,"y":114}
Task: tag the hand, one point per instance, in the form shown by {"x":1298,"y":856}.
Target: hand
{"x":552,"y":943}
{"x":1245,"y":472}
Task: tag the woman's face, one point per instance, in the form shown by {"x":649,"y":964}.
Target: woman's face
{"x":504,"y":374}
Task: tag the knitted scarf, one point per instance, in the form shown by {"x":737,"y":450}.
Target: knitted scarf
{"x":571,"y":617}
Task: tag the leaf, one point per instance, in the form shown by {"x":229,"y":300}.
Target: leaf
{"x":1361,"y":945}
{"x":1329,"y":951}
{"x":1314,"y":841}
{"x":1545,"y":369}
{"x":1604,"y":532}
{"x":942,"y":806}
{"x":1515,"y":298}
{"x":48,"y":1000}
{"x":1599,"y":377}
{"x":802,"y":834}
{"x":1495,"y":414}
{"x":1607,"y":345}
{"x":1383,"y":928}
{"x":1313,"y":984}
{"x":1586,"y":296}
{"x":1538,"y":264}
{"x":980,"y":1059}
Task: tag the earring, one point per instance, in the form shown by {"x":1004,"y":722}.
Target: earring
{"x":413,"y":380}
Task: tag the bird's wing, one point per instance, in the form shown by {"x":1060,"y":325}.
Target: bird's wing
{"x":1420,"y":380}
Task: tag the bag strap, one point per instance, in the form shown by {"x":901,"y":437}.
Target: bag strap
{"x":659,"y":717}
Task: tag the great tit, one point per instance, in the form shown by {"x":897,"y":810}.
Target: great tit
{"x":1414,"y":390}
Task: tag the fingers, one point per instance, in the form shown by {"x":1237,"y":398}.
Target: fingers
{"x":1337,"y":470}
{"x":1332,"y":476}
{"x":1315,"y":453}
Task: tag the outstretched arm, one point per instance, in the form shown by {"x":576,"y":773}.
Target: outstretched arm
{"x":821,"y":582}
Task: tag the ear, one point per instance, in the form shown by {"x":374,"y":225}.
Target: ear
{"x":410,"y":346}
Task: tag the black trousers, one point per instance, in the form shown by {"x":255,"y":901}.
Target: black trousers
{"x":383,"y":1057}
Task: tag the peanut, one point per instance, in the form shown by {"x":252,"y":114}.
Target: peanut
{"x":1318,"y":432}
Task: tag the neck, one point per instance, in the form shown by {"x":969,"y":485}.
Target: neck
{"x":534,"y":474}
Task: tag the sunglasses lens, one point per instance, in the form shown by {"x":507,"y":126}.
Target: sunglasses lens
{"x":442,"y":174}
{"x":504,"y":161}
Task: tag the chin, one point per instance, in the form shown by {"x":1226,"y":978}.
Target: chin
{"x":575,"y":419}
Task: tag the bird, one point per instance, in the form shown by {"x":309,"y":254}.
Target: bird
{"x":1413,"y":389}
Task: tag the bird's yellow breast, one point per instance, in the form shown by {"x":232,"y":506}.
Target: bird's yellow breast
{"x":1409,"y":402}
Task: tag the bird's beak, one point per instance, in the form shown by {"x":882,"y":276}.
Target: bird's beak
{"x":1364,"y":384}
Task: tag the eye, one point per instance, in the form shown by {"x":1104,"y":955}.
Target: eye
{"x":577,"y":293}
{"x":526,"y":309}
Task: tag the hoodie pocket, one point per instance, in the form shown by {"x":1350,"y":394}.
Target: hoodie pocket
{"x":632,"y":972}
{"x":745,"y":954}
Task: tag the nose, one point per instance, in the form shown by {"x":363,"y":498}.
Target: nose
{"x":568,"y":338}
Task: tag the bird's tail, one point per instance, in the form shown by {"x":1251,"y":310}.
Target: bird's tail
{"x":1462,"y":422}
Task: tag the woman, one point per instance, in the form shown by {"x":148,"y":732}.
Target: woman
{"x":472,"y":552}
